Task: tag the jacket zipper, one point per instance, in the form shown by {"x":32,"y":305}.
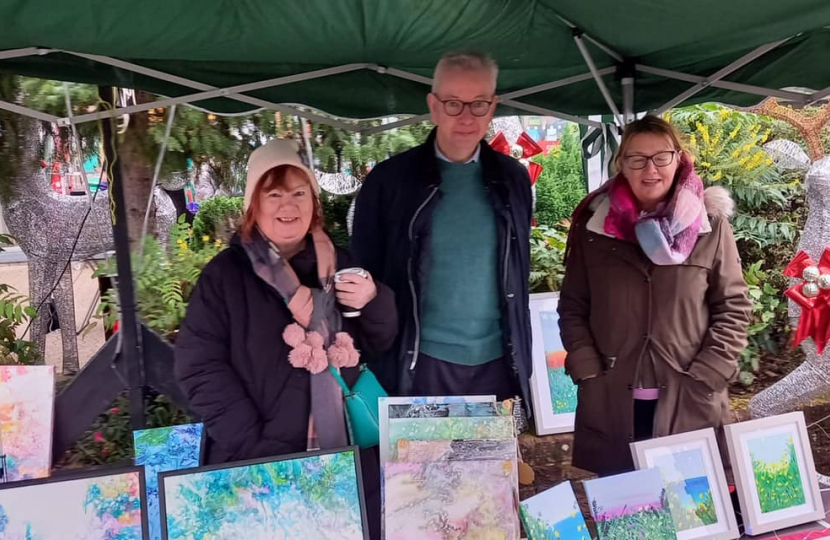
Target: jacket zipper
{"x":417,"y":347}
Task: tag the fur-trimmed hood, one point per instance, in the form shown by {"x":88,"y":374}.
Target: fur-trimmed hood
{"x":718,"y":202}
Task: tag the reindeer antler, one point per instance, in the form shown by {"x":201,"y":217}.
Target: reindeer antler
{"x":809,"y":126}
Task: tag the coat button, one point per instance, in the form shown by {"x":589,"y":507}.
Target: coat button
{"x":510,"y":296}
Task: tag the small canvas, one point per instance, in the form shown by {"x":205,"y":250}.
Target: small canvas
{"x":418,"y":409}
{"x":696,"y":489}
{"x":459,"y":428}
{"x":774,"y":472}
{"x":446,"y":410}
{"x":27,"y":404}
{"x":631,"y":506}
{"x":103,"y":505}
{"x":316,"y":495}
{"x":451,"y":499}
{"x":455,"y":450}
{"x":165,"y":449}
{"x":553,"y":392}
{"x":554,"y":514}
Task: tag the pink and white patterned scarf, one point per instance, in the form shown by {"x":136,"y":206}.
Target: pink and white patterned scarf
{"x":668,"y":235}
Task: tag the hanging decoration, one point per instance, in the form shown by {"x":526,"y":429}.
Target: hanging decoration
{"x":813,"y":295}
{"x":523,"y":149}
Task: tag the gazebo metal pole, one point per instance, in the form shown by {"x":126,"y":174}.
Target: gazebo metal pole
{"x":131,"y":349}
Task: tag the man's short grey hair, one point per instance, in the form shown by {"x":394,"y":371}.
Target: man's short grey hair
{"x":467,"y":61}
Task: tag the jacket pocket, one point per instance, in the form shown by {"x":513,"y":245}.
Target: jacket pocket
{"x":592,"y":407}
{"x":697,"y":407}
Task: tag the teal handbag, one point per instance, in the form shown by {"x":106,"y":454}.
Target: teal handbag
{"x":361,"y":403}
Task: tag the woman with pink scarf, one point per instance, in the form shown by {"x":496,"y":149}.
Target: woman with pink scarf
{"x":653,"y":308}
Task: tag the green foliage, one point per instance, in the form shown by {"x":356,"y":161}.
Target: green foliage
{"x":164,"y":280}
{"x":652,"y":522}
{"x":15,"y":310}
{"x":561,"y":185}
{"x":335,"y":214}
{"x":779,"y":483}
{"x":110,"y":439}
{"x":217,"y":218}
{"x":727,"y":146}
{"x":547,"y":251}
{"x":338,"y":150}
{"x":50,"y":97}
{"x":769,"y":314}
{"x":705,"y":510}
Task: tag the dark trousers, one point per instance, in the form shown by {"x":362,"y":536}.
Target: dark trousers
{"x":644,"y":410}
{"x":370,"y":471}
{"x":434,"y":377}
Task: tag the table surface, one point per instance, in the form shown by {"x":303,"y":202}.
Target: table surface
{"x":813,"y":526}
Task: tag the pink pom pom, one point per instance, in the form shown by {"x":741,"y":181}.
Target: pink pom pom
{"x":293,"y":335}
{"x":343,"y":339}
{"x":318,"y":362}
{"x":343,"y":353}
{"x":314,"y":339}
{"x":301,"y":356}
{"x":338,"y":356}
{"x":354,"y":357}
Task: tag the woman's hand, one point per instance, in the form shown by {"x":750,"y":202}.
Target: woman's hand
{"x":355,"y":291}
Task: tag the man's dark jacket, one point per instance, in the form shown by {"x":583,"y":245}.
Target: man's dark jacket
{"x":391,"y":239}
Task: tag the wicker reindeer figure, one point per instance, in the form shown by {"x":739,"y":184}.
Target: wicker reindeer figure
{"x":811,"y":378}
{"x":47,"y":226}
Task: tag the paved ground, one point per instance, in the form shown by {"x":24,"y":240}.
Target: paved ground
{"x":16,"y":275}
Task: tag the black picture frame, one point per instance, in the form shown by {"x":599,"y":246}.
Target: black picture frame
{"x":261,"y":461}
{"x":85,"y":474}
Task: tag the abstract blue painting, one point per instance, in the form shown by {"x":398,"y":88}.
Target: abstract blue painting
{"x":165,"y":449}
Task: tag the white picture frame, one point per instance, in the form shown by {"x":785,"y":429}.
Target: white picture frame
{"x":754,"y":447}
{"x":692,"y":470}
{"x":544,"y":324}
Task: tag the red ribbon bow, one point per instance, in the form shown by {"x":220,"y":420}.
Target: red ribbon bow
{"x":529,"y":148}
{"x":815,"y":308}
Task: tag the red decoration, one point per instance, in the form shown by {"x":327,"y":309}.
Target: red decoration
{"x":813,"y":299}
{"x":524,"y":149}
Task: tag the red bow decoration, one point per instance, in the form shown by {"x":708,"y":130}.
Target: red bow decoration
{"x":813,"y":295}
{"x":524,"y":149}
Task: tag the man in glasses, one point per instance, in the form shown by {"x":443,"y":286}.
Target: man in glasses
{"x":446,"y":225}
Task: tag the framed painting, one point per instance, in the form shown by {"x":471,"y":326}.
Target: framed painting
{"x":27,"y":405}
{"x":99,"y":504}
{"x":631,"y":506}
{"x":426,"y":407}
{"x":554,"y":514}
{"x":774,"y":472}
{"x":695,"y":483}
{"x":163,"y":449}
{"x":315,"y":495}
{"x":552,"y":391}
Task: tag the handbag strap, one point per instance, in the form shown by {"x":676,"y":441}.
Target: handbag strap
{"x":337,"y":377}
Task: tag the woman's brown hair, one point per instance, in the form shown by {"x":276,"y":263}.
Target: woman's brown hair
{"x":653,"y":125}
{"x":275,"y":178}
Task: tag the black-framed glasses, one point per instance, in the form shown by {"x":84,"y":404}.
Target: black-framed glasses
{"x":454,"y":107}
{"x":660,"y":159}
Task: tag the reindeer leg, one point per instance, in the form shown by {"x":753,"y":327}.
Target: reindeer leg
{"x":37,"y":290}
{"x":806,"y":382}
{"x":65,"y":306}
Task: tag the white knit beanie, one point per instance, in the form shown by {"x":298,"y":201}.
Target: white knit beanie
{"x":275,"y":153}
